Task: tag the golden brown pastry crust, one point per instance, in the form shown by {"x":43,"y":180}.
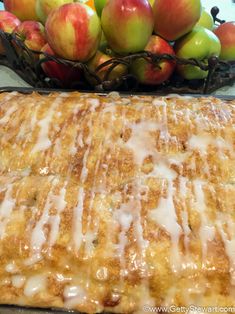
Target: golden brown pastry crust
{"x":113,"y":203}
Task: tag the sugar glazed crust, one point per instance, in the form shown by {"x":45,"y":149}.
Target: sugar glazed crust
{"x":112,"y":203}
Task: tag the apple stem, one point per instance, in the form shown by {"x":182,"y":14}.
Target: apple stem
{"x":214,"y":12}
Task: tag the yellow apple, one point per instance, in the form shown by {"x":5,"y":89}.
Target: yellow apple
{"x":44,"y":7}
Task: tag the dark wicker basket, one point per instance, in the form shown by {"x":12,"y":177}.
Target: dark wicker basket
{"x":27,"y":64}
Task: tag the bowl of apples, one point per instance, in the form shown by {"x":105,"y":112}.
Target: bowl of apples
{"x":124,"y":45}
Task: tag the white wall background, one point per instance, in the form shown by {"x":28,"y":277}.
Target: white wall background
{"x":227,"y":8}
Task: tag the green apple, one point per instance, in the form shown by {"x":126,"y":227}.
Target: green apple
{"x":206,"y":20}
{"x":99,"y":5}
{"x":200,"y":44}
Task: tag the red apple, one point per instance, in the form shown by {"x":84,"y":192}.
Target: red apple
{"x":73,"y":31}
{"x":8,"y":23}
{"x":23,"y":9}
{"x":148,"y":73}
{"x":100,"y":58}
{"x":64,"y":73}
{"x":226,"y":34}
{"x":175,"y":18}
{"x":32,"y":34}
{"x":127,"y":24}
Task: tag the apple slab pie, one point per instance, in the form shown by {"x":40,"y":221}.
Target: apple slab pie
{"x":111,"y":204}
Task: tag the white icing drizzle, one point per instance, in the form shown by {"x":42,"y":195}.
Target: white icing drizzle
{"x":183,"y":186}
{"x":34,"y":285}
{"x":184,"y":214}
{"x":22,"y":131}
{"x":91,"y":235}
{"x":77,"y":139}
{"x":6,"y":208}
{"x":80,"y":140}
{"x":178,"y":158}
{"x":74,"y":295}
{"x":185,"y":226}
{"x":43,"y":141}
{"x":141,"y":142}
{"x":78,"y":213}
{"x":124,"y":216}
{"x":140,"y":262}
{"x":34,"y":119}
{"x":78,"y":210}
{"x":8,"y":114}
{"x":76,"y":142}
{"x":94,"y":102}
{"x":60,"y":204}
{"x":7,"y":97}
{"x":129,"y":213}
{"x":18,"y":281}
{"x":11,"y":268}
{"x":25,"y":172}
{"x":165,"y":216}
{"x":165,"y":213}
{"x":38,"y":238}
{"x":164,"y":135}
{"x":207,"y":230}
{"x":162,"y":171}
{"x":34,"y":259}
{"x":229,"y":241}
{"x":127,"y":216}
{"x":57,"y":147}
{"x":202,"y":141}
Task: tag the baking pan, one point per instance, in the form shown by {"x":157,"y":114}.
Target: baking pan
{"x":4,"y":309}
{"x":29,"y":90}
{"x":8,"y":309}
